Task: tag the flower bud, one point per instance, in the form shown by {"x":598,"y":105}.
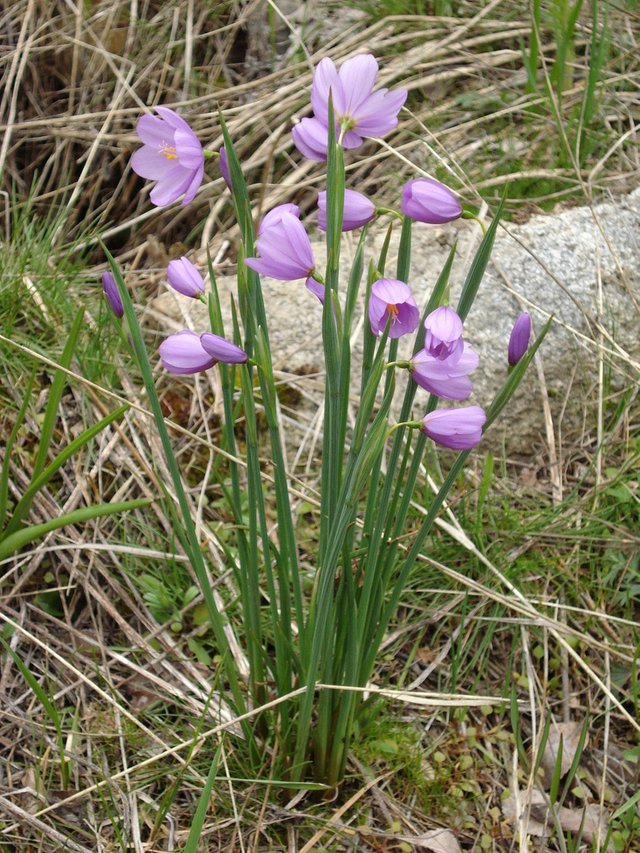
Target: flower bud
{"x":426,"y":200}
{"x":519,"y":340}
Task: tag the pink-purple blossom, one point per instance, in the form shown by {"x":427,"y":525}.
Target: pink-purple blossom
{"x":443,"y":334}
{"x":427,"y":200}
{"x":185,"y":278}
{"x":283,"y":246}
{"x":391,"y":299}
{"x":519,"y":339}
{"x":447,"y":378}
{"x":315,"y":287}
{"x":224,"y":167}
{"x":183,"y":353}
{"x":359,"y":111}
{"x":171,"y":155}
{"x":221,"y":349}
{"x":358,"y":210}
{"x":110,"y":289}
{"x":458,"y":429}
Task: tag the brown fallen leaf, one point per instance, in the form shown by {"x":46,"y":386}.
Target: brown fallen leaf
{"x":569,"y":734}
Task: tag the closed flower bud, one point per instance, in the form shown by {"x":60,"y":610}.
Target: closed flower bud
{"x":358,"y":210}
{"x":457,"y":429}
{"x":185,"y":278}
{"x":519,"y":340}
{"x":183,"y":353}
{"x":221,"y":349}
{"x":426,"y":200}
{"x":110,"y":289}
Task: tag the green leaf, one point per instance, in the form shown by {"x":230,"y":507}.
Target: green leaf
{"x":478,"y":267}
{"x":4,"y":476}
{"x":203,"y":805}
{"x":23,"y":537}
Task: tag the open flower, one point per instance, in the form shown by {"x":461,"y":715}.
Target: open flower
{"x":358,"y":210}
{"x":358,"y":110}
{"x":185,"y":278}
{"x":110,"y":289}
{"x":427,"y":200}
{"x":519,"y":339}
{"x":392,"y":299}
{"x":283,"y":245}
{"x":171,"y":155}
{"x":183,"y":353}
{"x":221,"y":349}
{"x":458,"y":429}
{"x":443,"y":334}
{"x":448,"y":378}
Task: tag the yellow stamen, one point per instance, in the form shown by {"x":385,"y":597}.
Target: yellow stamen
{"x":393,"y":310}
{"x":169,"y":151}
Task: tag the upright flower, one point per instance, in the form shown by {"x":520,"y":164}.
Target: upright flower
{"x":171,"y":155}
{"x":183,"y":353}
{"x":447,"y":378}
{"x":458,"y":429}
{"x":284,"y":248}
{"x":359,"y":111}
{"x":110,"y":289}
{"x":519,"y":339}
{"x":358,"y":210}
{"x":443,"y":333}
{"x":427,"y":200}
{"x":185,"y":278}
{"x":392,"y":299}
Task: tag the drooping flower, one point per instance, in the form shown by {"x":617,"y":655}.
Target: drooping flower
{"x":221,"y":349}
{"x":447,"y":378}
{"x":185,"y":278}
{"x":315,"y":287}
{"x":427,"y":200}
{"x":171,"y":155}
{"x":183,"y":353}
{"x":358,"y":110}
{"x":391,"y":298}
{"x":110,"y":289}
{"x":458,"y":429}
{"x":224,"y":167}
{"x":519,"y":339}
{"x":443,"y":334}
{"x":358,"y":210}
{"x":283,"y":245}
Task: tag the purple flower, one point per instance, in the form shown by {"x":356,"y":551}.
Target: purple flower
{"x":185,"y":278}
{"x":111,"y":292}
{"x":391,"y":298}
{"x":221,"y":349}
{"x":358,"y":210}
{"x":519,"y":340}
{"x":283,"y":245}
{"x":447,"y":377}
{"x":171,"y":155}
{"x":183,"y":353}
{"x":358,"y":110}
{"x":429,"y":201}
{"x":443,"y":335}
{"x":458,"y":429}
{"x":315,"y":287}
{"x":224,"y":167}
{"x":310,"y":138}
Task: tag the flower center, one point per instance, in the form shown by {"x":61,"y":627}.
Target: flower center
{"x":168,"y":151}
{"x":392,"y":310}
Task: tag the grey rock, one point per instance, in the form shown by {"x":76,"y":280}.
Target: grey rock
{"x":581,"y":265}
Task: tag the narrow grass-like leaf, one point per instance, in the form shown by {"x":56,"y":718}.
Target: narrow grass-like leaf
{"x":47,"y":704}
{"x":204,"y":800}
{"x":55,"y":393}
{"x":67,"y":453}
{"x":478,"y":267}
{"x":23,"y":537}
{"x":4,"y":474}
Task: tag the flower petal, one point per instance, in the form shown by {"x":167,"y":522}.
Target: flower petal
{"x":149,"y":163}
{"x":194,"y":186}
{"x":153,"y":131}
{"x":188,"y":149}
{"x":358,"y":77}
{"x":379,"y":113}
{"x":325,"y":80}
{"x":171,"y":186}
{"x":175,"y":121}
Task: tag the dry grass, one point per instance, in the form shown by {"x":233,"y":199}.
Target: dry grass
{"x":140,"y":714}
